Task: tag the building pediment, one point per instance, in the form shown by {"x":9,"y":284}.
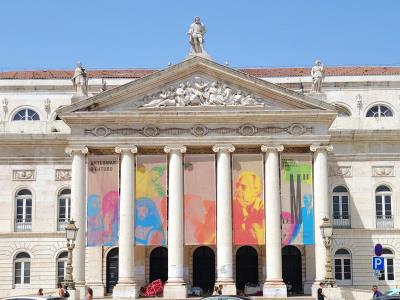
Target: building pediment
{"x":194,"y":83}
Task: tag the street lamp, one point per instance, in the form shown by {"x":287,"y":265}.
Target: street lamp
{"x":327,"y":231}
{"x":70,"y":233}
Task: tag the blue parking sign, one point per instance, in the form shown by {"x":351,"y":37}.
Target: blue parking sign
{"x":378,"y":263}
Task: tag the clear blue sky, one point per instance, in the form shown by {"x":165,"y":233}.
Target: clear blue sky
{"x":49,"y":34}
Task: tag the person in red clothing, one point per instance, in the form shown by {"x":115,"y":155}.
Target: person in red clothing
{"x":248,"y":209}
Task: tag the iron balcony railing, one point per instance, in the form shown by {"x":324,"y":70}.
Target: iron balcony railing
{"x":384,"y":221}
{"x":341,"y":221}
{"x":22,"y":225}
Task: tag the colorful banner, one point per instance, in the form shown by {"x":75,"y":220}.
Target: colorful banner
{"x":297,"y":200}
{"x":200,"y":199}
{"x":248,"y":199}
{"x":151,"y":200}
{"x":102,"y":200}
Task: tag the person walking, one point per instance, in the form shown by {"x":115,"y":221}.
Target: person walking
{"x":320,"y":294}
{"x":61,"y":290}
{"x":377,"y":293}
{"x":89,"y":294}
{"x":40,"y":292}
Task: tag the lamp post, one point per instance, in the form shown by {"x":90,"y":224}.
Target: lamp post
{"x":327,"y":231}
{"x":70,"y":232}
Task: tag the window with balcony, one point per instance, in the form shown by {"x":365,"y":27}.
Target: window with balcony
{"x":340,"y":207}
{"x":342,"y":262}
{"x":383,"y":205}
{"x":64,"y":208}
{"x":61,"y":264}
{"x":23,"y":218}
{"x":22,"y":269}
{"x":379,"y":111}
{"x":388,"y":273}
{"x":26,"y":114}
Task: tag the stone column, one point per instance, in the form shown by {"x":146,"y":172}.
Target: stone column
{"x":78,"y":214}
{"x":126,"y":287}
{"x":274,"y":286}
{"x":176,"y":286}
{"x":321,"y":207}
{"x":224,"y":218}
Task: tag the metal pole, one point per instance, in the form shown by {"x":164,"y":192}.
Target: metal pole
{"x":329,"y":279}
{"x":69,"y":281}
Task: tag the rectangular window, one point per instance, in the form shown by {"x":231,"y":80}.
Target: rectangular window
{"x":346,"y":269}
{"x":338,"y":269}
{"x":390,"y":269}
{"x":345,"y":207}
{"x":60,"y":271}
{"x":336,"y":208}
{"x":388,"y":206}
{"x":379,"y":206}
{"x":18,"y":273}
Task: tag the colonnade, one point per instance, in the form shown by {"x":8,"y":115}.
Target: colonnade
{"x":175,"y":287}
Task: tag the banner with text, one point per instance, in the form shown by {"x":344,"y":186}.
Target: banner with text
{"x":200,"y":199}
{"x":102,"y":200}
{"x":297,"y":199}
{"x":151,"y":200}
{"x":248,"y":199}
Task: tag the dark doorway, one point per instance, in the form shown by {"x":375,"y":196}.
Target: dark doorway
{"x":159,"y":264}
{"x":291,"y":269}
{"x":204,"y":268}
{"x":246,"y":267}
{"x":111,"y":270}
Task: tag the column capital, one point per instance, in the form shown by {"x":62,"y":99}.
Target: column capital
{"x":129,"y":149}
{"x":272,"y":148}
{"x":320,"y":148}
{"x":76,"y":150}
{"x":223,"y":148}
{"x":175,"y":148}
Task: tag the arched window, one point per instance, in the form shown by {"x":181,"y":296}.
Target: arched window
{"x":383,"y":205}
{"x":388,"y":273}
{"x":23,"y":217}
{"x":22,"y":269}
{"x":343,"y":266}
{"x":342,"y":111}
{"x":340,"y":207}
{"x":61,"y":264}
{"x":26,"y":114}
{"x":64,"y":208}
{"x":379,"y":111}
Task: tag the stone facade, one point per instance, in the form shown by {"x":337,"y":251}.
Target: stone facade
{"x":365,"y":156}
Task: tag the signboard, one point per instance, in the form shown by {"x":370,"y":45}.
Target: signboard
{"x":378,"y":249}
{"x":378,"y":263}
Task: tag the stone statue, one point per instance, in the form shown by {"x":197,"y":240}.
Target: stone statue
{"x":80,"y":81}
{"x":318,"y":74}
{"x":196,"y":34}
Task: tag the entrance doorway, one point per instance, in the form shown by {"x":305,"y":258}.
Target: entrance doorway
{"x":111,"y":270}
{"x":246,"y":267}
{"x":159,"y":264}
{"x":291,"y":269}
{"x":204,"y":268}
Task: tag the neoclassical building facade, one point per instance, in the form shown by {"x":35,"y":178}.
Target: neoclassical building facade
{"x":199,"y":174}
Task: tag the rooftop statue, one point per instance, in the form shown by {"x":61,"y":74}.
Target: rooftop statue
{"x":80,"y":81}
{"x":318,"y":75}
{"x":196,"y":33}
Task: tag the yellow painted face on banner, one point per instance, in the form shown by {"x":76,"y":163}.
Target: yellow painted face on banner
{"x":248,"y":189}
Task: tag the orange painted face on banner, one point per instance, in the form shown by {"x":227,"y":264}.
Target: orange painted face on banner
{"x":248,"y":203}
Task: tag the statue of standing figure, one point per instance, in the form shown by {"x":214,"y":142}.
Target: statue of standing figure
{"x":318,"y":74}
{"x":196,"y":34}
{"x":80,"y":81}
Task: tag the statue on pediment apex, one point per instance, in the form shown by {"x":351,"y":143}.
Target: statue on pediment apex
{"x":318,"y":75}
{"x":196,"y":33}
{"x":80,"y":81}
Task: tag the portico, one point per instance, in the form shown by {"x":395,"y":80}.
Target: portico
{"x":272,"y":122}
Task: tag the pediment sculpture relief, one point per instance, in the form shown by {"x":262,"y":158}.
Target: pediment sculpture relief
{"x":200,"y":92}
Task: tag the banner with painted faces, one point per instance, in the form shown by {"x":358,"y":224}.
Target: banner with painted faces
{"x":297,"y":199}
{"x":102,"y":200}
{"x":248,"y":199}
{"x":200,"y":199}
{"x":151,"y":200}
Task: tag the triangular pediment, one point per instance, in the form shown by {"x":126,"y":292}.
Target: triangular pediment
{"x":197,"y":82}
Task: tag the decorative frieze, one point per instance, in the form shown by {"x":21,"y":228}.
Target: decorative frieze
{"x":341,"y":171}
{"x":63,"y":175}
{"x":28,"y":175}
{"x":199,"y":130}
{"x":383,"y":171}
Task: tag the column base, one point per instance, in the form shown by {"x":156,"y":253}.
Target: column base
{"x":228,"y":286}
{"x":175,"y":290}
{"x":78,"y":293}
{"x":73,"y":294}
{"x":126,"y":291}
{"x":275,"y":289}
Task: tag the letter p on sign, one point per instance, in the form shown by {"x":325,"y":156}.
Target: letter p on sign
{"x":378,"y":263}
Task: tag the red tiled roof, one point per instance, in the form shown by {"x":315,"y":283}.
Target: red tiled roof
{"x":258,"y":72}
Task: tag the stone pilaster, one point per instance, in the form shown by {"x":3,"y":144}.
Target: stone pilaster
{"x":224,"y":218}
{"x":274,"y":286}
{"x":176,"y":286}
